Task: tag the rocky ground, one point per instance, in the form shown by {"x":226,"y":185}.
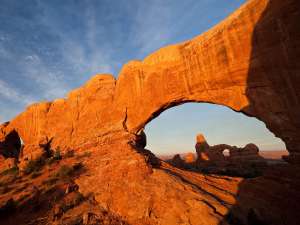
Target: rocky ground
{"x":66,"y":189}
{"x":45,"y":193}
{"x":249,"y":63}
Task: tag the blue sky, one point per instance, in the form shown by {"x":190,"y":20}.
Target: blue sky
{"x":48,"y":48}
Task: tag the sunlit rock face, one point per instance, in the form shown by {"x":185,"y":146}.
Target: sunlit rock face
{"x":249,"y":62}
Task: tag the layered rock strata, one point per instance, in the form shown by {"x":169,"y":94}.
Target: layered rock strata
{"x":249,"y":63}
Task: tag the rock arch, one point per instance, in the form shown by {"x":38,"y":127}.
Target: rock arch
{"x":249,"y":62}
{"x":226,"y":153}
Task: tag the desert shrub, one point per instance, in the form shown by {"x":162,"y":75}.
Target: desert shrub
{"x":34,"y":165}
{"x":67,"y":171}
{"x":77,"y":166}
{"x":57,"y":155}
{"x":50,"y":161}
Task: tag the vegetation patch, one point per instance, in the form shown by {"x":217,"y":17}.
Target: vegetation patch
{"x":56,"y":156}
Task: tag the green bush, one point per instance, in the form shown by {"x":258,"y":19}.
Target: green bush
{"x":65,"y":171}
{"x":55,"y":157}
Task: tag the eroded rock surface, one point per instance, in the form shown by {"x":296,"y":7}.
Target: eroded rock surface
{"x":249,"y":62}
{"x":238,"y":63}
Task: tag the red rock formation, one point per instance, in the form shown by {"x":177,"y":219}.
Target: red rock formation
{"x":190,"y":158}
{"x":219,"y":66}
{"x":177,"y":161}
{"x":249,"y":63}
{"x":207,"y":155}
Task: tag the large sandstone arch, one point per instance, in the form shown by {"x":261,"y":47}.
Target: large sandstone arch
{"x":249,"y":62}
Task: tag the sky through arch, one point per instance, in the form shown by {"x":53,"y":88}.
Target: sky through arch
{"x":175,"y":130}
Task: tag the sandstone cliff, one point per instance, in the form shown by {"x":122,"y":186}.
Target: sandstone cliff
{"x":249,"y":62}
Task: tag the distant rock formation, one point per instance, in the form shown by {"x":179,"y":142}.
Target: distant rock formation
{"x":177,"y":161}
{"x":189,"y":158}
{"x":207,"y":154}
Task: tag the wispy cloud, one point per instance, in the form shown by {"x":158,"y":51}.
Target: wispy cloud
{"x":12,"y":94}
{"x":51,"y":82}
{"x":151,"y":28}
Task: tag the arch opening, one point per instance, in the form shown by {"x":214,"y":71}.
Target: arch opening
{"x":228,"y":132}
{"x":226,"y":153}
{"x":11,"y":146}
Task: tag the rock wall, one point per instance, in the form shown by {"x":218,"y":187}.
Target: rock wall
{"x":249,"y":62}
